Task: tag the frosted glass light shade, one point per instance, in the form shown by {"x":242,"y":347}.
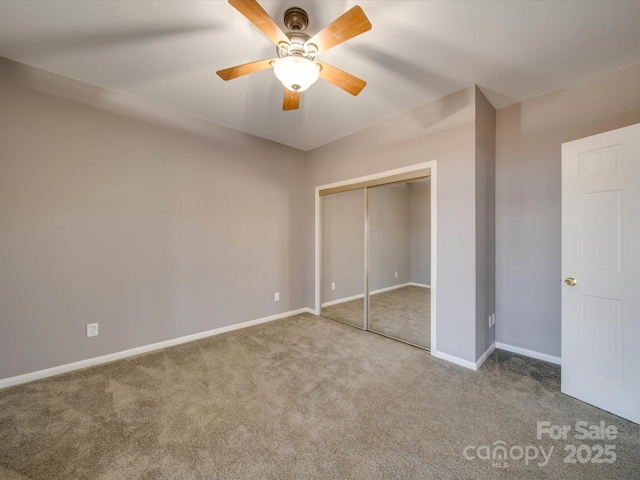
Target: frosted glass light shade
{"x":296,"y":73}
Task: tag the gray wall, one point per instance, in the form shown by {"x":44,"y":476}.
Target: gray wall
{"x":157,"y":225}
{"x":528,"y":187}
{"x":420,"y":232}
{"x":343,"y":245}
{"x":154,"y":232}
{"x":443,"y":130}
{"x":485,"y":221}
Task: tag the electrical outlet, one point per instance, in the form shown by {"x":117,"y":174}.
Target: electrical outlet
{"x":92,"y":329}
{"x":333,"y":285}
{"x":276,"y":297}
{"x":396,"y":274}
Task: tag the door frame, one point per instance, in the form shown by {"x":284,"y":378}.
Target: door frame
{"x":358,"y":183}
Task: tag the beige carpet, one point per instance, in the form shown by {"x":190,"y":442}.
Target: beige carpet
{"x":403,"y":313}
{"x":298,"y":398}
{"x":351,"y":312}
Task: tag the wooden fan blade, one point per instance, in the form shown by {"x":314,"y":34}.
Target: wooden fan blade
{"x":344,"y":80}
{"x":261,"y":19}
{"x":246,"y":69}
{"x":348,"y":25}
{"x":291,"y":100}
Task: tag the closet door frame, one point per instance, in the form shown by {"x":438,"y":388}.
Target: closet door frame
{"x":382,"y":178}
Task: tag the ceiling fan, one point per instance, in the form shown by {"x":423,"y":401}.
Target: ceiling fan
{"x":295,"y":65}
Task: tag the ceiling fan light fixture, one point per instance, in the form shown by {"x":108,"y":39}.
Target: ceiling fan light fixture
{"x":296,"y":66}
{"x":296,"y":72}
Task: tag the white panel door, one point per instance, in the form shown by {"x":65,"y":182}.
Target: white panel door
{"x":601,"y":255}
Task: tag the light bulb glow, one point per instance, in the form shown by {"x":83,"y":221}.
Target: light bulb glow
{"x":296,"y":72}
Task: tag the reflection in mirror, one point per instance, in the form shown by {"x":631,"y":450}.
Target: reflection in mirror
{"x":400,"y":261}
{"x":342,"y":290}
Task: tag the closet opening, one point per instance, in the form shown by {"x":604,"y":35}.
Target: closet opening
{"x":375,"y":253}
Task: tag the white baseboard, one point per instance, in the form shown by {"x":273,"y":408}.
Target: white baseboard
{"x":453,"y":359}
{"x":392,"y":287}
{"x":465,"y":363}
{"x":48,"y":372}
{"x":485,"y":355}
{"x":342,"y":300}
{"x":529,"y":353}
{"x":421,"y":285}
{"x":361,"y":295}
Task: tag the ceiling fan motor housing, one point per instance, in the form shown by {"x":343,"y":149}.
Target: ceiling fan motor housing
{"x":296,"y":19}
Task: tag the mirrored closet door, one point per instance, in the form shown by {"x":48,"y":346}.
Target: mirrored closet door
{"x":376,"y":258}
{"x":399,"y":261}
{"x":342,"y":292}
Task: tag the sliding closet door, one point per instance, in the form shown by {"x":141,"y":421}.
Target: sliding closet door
{"x":399,"y":252}
{"x":342,"y":291}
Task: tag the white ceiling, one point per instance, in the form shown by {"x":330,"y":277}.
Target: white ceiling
{"x":168,"y":52}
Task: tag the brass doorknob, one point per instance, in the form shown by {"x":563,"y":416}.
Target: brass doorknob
{"x":572,"y":282}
